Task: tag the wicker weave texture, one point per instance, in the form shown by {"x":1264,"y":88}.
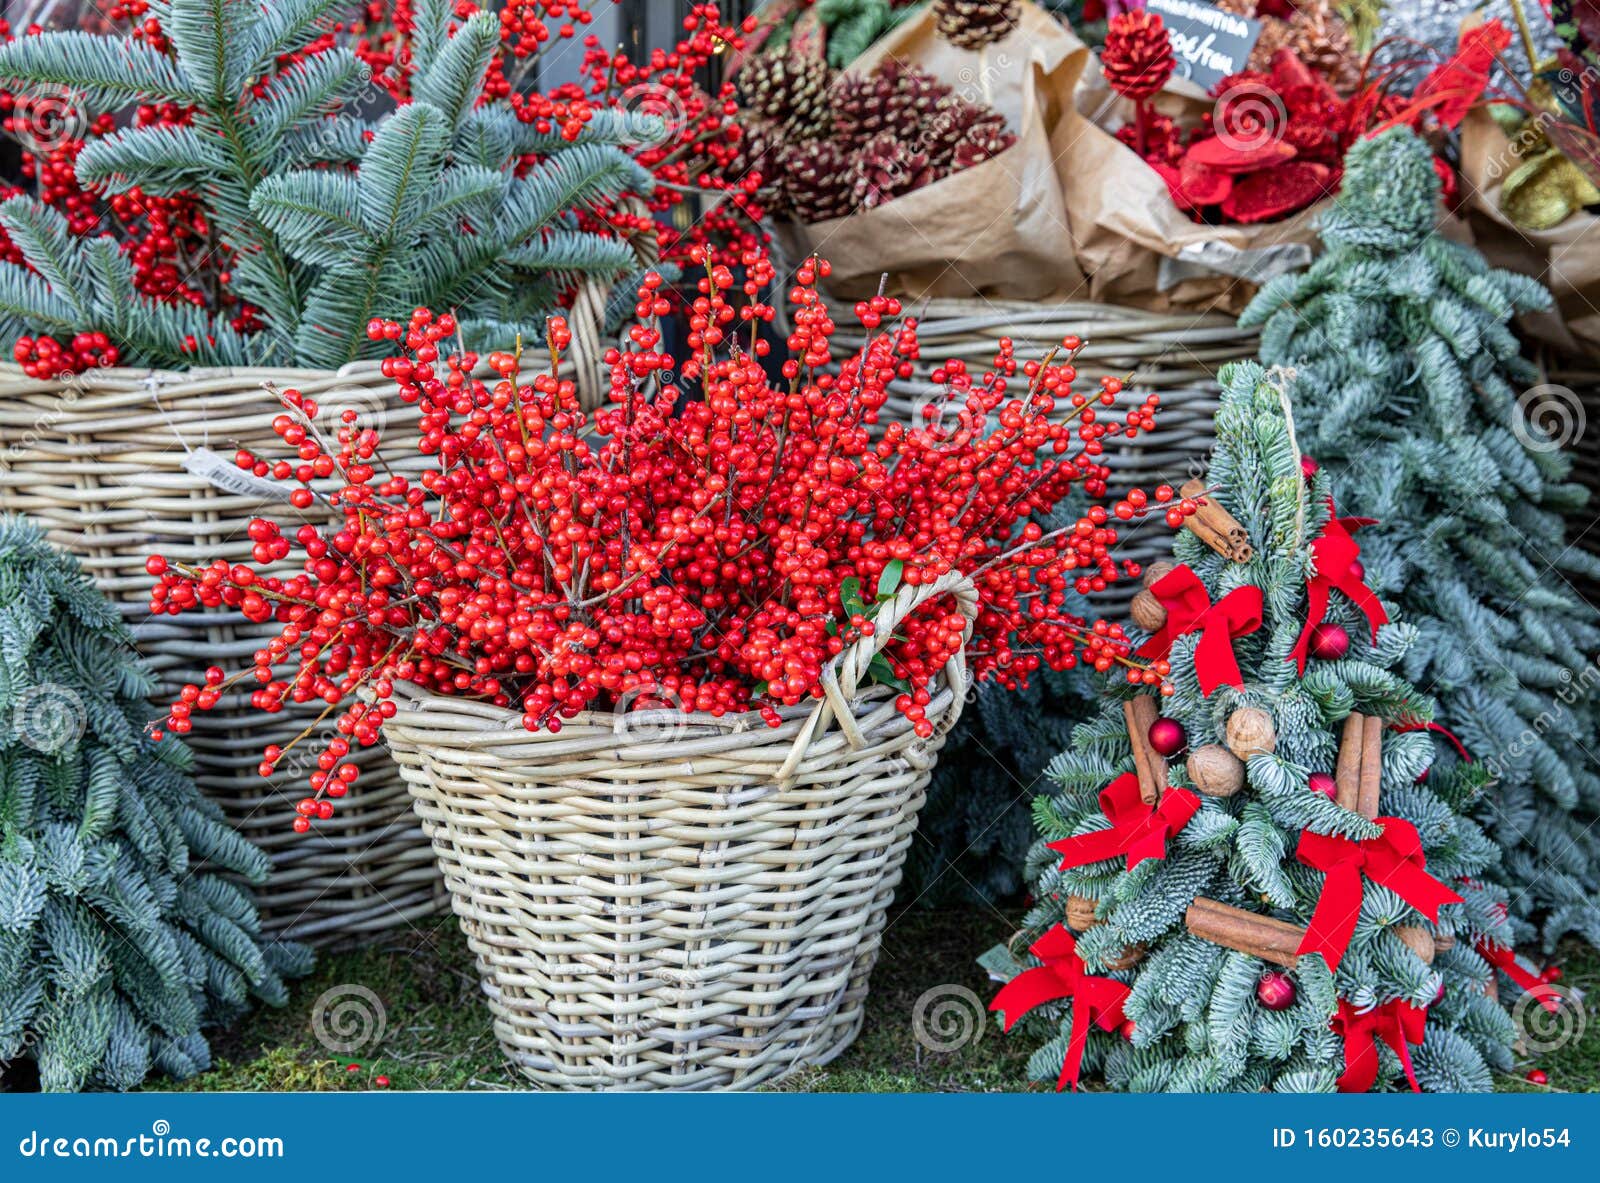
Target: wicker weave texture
{"x":99,"y":461}
{"x":1176,"y":355}
{"x":668,"y":901}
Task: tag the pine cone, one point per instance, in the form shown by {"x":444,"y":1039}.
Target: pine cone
{"x":885,"y":168}
{"x":760,"y":150}
{"x":818,"y":180}
{"x":972,"y":24}
{"x":787,"y":90}
{"x":1319,"y":37}
{"x":1137,"y":58}
{"x":896,"y":98}
{"x":959,"y":134}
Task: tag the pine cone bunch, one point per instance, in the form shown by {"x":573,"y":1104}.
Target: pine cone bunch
{"x":1137,"y":58}
{"x":790,"y":91}
{"x":973,"y":24}
{"x":893,"y":131}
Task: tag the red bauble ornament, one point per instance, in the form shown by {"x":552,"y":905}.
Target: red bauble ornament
{"x":1308,"y":467}
{"x":1359,"y":570}
{"x":1538,"y":1076}
{"x":1168,"y":737}
{"x":1126,"y":1030}
{"x":1321,"y":782}
{"x":1329,"y":642}
{"x":1275,"y":991}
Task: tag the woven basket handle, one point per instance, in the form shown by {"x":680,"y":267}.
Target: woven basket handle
{"x":843,"y":676}
{"x":587,"y":318}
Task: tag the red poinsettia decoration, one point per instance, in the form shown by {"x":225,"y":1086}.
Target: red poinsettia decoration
{"x":1275,"y":142}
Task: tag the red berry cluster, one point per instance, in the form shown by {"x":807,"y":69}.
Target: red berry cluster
{"x":46,"y":358}
{"x":709,"y":552}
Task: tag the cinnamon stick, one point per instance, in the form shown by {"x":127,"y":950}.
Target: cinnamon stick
{"x":1347,"y":772}
{"x":1371,"y":766}
{"x":1215,"y":526}
{"x":1248,"y":932}
{"x":1149,"y":764}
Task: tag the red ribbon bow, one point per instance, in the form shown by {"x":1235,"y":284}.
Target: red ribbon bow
{"x":1397,"y":1023}
{"x":1333,"y":557}
{"x":1189,"y":609}
{"x":1138,"y":830}
{"x":1095,"y":1001}
{"x":1504,"y":959}
{"x":1393,"y":859}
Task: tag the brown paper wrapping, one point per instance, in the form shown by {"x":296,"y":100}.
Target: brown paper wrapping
{"x":1566,"y":259}
{"x":998,"y":229}
{"x":1124,"y":224}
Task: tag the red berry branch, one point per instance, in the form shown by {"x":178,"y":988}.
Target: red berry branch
{"x":714,"y":553}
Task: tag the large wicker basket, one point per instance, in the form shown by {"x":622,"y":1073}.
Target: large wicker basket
{"x":1177,"y":355}
{"x":669,"y":901}
{"x":99,"y":461}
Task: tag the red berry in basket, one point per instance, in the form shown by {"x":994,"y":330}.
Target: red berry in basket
{"x":712,"y":555}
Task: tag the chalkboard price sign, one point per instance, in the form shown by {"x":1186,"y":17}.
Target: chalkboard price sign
{"x":1209,"y":44}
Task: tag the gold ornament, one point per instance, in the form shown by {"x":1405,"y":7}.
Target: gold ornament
{"x":1545,"y":190}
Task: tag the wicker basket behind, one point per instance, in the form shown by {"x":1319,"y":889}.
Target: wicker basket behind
{"x":1177,"y":355}
{"x":98,"y":461}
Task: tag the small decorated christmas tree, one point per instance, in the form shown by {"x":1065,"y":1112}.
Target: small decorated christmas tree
{"x":1252,"y":880}
{"x":119,"y":941}
{"x":1412,"y":390}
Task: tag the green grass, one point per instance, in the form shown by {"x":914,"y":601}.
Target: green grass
{"x":438,"y":1033}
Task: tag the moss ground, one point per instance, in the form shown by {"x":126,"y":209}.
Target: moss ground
{"x":437,"y":1033}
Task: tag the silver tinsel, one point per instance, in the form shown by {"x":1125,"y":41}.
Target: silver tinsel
{"x":1438,"y":23}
